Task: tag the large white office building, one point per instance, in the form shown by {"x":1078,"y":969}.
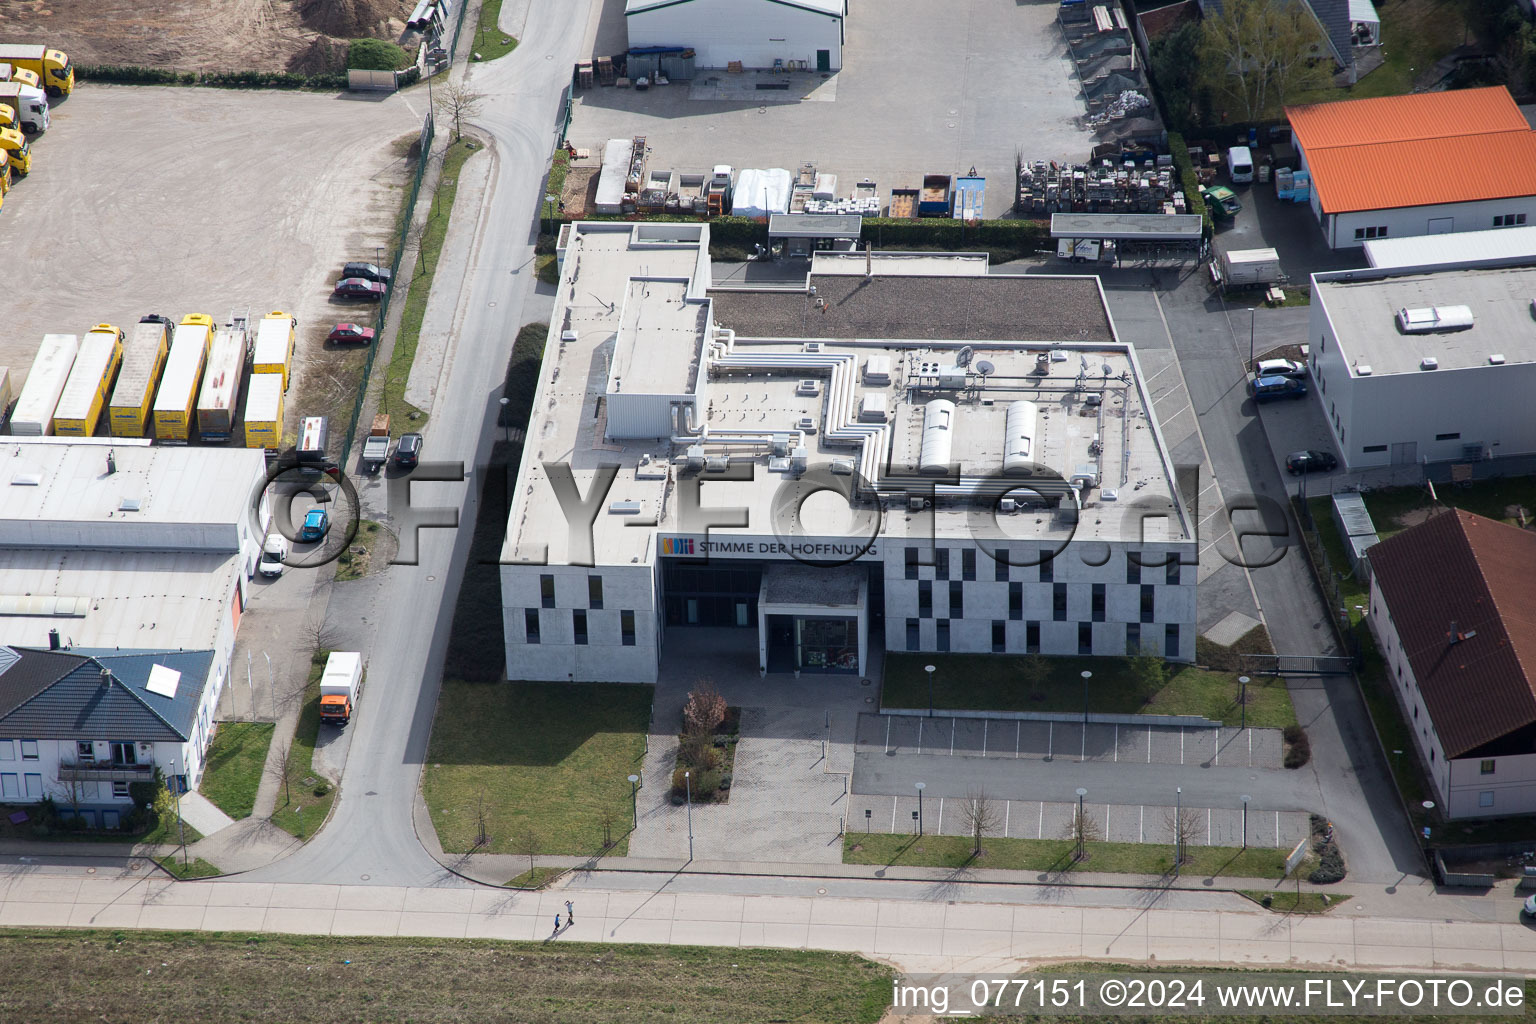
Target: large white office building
{"x":903,"y":453}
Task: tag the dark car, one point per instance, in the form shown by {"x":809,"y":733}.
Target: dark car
{"x":351,"y":334}
{"x":368,"y":272}
{"x":1310,"y":461}
{"x":359,"y":288}
{"x":1268,"y":389}
{"x":408,"y":451}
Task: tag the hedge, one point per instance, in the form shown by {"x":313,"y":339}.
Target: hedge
{"x":131,"y":75}
{"x":1194,"y":201}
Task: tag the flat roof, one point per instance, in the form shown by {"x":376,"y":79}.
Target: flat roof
{"x":1143,"y":227}
{"x":759,"y":395}
{"x":909,"y":264}
{"x":815,"y":225}
{"x":1362,"y":307}
{"x":833,"y":7}
{"x":1460,"y":247}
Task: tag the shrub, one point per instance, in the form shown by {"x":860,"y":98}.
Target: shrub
{"x":1298,"y":749}
{"x":706,"y":784}
{"x":696,"y":752}
{"x":1194,"y":202}
{"x":376,"y":55}
{"x":705,"y":709}
{"x":143,"y":794}
{"x":322,"y":789}
{"x":1330,"y":868}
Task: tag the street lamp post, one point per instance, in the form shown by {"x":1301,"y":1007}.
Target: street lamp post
{"x":506,"y":427}
{"x":920,"y":787}
{"x":1080,"y":829}
{"x":1252,"y":315}
{"x":930,"y":669}
{"x":1429,"y":806}
{"x":1086,"y":676}
{"x":250,"y":689}
{"x":271,"y":689}
{"x":1178,"y":828}
{"x":1242,"y":698}
{"x":180,"y":825}
{"x":634,"y":806}
{"x":688,"y":789}
{"x":1245,"y":798}
{"x":549,"y":204}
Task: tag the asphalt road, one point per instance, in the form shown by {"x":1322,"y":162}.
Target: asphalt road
{"x":371,"y":838}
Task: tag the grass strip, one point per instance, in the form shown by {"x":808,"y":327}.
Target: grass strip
{"x":304,"y":799}
{"x":490,"y":41}
{"x":1054,"y":856}
{"x":194,"y":868}
{"x":235,"y":760}
{"x":1289,"y":901}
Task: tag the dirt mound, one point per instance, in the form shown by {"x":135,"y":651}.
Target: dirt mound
{"x":321,"y":57}
{"x":353,"y":19}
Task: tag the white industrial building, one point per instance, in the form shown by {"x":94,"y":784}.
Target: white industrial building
{"x":756,"y":33}
{"x":1415,"y":367}
{"x":1420,"y":164}
{"x":116,"y":548}
{"x":1496,"y":247}
{"x":906,"y":454}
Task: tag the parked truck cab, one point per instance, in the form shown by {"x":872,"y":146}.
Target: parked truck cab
{"x":51,"y":66}
{"x":12,"y":73}
{"x":16,"y":146}
{"x":28,"y":103}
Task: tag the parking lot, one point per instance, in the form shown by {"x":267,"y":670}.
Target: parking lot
{"x":175,"y":201}
{"x":924,"y":89}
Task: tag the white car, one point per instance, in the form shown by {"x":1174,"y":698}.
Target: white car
{"x":1280,"y":368}
{"x":273,"y":554}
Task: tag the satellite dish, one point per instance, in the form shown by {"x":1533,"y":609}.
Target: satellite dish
{"x":985,"y":368}
{"x":1108,"y":370}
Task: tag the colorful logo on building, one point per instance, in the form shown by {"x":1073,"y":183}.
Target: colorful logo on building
{"x":677,"y":545}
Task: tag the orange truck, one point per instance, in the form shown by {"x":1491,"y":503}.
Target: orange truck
{"x":340,"y":684}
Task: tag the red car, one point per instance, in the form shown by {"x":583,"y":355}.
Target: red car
{"x":351,"y":334}
{"x":358,"y":288}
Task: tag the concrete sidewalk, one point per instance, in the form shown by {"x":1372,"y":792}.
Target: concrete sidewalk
{"x":934,"y":935}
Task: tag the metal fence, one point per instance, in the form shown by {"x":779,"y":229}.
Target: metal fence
{"x":424,"y":148}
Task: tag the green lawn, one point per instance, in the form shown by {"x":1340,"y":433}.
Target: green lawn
{"x":195,"y":867}
{"x":350,"y":566}
{"x":300,"y":811}
{"x":1055,"y":855}
{"x":490,"y":41}
{"x":992,"y":682}
{"x":547,"y":758}
{"x":538,"y":878}
{"x":235,"y":760}
{"x":1353,"y":591}
{"x":1395,"y":508}
{"x":1289,"y":901}
{"x":101,"y":975}
{"x":1414,"y":35}
{"x":407,"y":416}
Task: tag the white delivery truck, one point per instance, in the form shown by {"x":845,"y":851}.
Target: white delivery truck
{"x":339,"y":686}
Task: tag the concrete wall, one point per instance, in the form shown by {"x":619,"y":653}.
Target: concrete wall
{"x":1485,"y":405}
{"x":556,"y":655}
{"x":755,"y":32}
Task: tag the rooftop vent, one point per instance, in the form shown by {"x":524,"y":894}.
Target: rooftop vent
{"x":624,"y":508}
{"x":877,"y":370}
{"x":26,"y":479}
{"x":842,"y":467}
{"x":808,"y":388}
{"x":806,"y":425}
{"x":1431,"y":319}
{"x":1363,"y":370}
{"x":1429,"y":363}
{"x":128,"y":505}
{"x":1497,"y":359}
{"x":812,"y":346}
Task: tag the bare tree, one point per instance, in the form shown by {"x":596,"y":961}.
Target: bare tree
{"x":318,"y":636}
{"x":607,"y":817}
{"x":979,"y":815}
{"x":482,"y":835}
{"x":277,"y":768}
{"x":1033,"y":671}
{"x":415,"y":237}
{"x":1183,"y":826}
{"x":527,"y":842}
{"x":460,"y":102}
{"x":1082,"y":830}
{"x":1260,"y":53}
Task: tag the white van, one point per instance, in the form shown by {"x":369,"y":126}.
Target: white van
{"x":274,"y":553}
{"x":1240,"y":165}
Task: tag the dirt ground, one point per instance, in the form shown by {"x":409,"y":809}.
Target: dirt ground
{"x":172,"y":200}
{"x":198,"y":35}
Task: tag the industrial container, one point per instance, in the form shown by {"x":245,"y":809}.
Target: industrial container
{"x":273,"y":351}
{"x":264,"y":411}
{"x":45,"y":384}
{"x":183,"y":373}
{"x":217,"y":402}
{"x":143,"y":359}
{"x":89,"y":382}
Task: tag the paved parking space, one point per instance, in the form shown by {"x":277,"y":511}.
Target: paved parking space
{"x":1117,"y":823}
{"x":924,"y":89}
{"x":1131,"y":744}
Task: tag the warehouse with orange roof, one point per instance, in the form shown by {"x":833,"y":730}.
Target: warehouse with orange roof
{"x":1422,"y":164}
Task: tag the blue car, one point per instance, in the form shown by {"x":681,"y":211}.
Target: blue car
{"x":316,"y":522}
{"x":1267,"y":389}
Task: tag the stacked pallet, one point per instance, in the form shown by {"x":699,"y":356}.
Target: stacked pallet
{"x":1046,"y":188}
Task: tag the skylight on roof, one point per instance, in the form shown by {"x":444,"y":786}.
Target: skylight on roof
{"x":162,"y":681}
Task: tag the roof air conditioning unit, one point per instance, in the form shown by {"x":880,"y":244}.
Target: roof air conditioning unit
{"x":781,"y":445}
{"x":877,"y":370}
{"x":566,"y":337}
{"x":842,"y":467}
{"x":1497,"y":359}
{"x":812,"y":346}
{"x":808,"y":388}
{"x":1362,"y":370}
{"x":695,"y":461}
{"x":1430,"y":319}
{"x":915,"y":503}
{"x":806,"y":425}
{"x":1007,"y":505}
{"x":1429,"y":363}
{"x":716,"y":464}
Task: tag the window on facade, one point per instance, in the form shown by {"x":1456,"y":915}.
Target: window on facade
{"x":1372,"y":448}
{"x":911,"y":563}
{"x":7,"y":750}
{"x":1485,"y":767}
{"x":119,"y":789}
{"x":943,"y":635}
{"x":1015,"y":601}
{"x":1059,"y":602}
{"x":531,"y":625}
{"x":10,"y":786}
{"x":29,"y":750}
{"x":1448,"y":437}
{"x":1171,"y":640}
{"x":999,"y":636}
{"x":956,"y":599}
{"x":1098,"y":602}
{"x":547,"y":590}
{"x":594,"y":591}
{"x":579,"y":625}
{"x":627,"y":628}
{"x":913,"y":641}
{"x":1047,"y":566}
{"x":968,"y":564}
{"x":85,"y":751}
{"x":941,"y":564}
{"x":925,"y":599}
{"x":1380,"y":232}
{"x":1148,"y":602}
{"x":1173,"y":571}
{"x":1132,"y":638}
{"x":1000,"y":565}
{"x":1032,"y":638}
{"x":1132,"y":568}
{"x":1508,"y":220}
{"x":1085,"y":638}
{"x":1485,"y":798}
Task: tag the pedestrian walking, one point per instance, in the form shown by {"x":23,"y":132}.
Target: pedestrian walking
{"x":557,"y":924}
{"x":570,"y":913}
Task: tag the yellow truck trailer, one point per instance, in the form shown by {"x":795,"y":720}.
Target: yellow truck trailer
{"x":89,"y":383}
{"x":33,"y":416}
{"x":274,"y":345}
{"x":174,"y":402}
{"x":143,"y":359}
{"x":264,"y":411}
{"x":51,"y":66}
